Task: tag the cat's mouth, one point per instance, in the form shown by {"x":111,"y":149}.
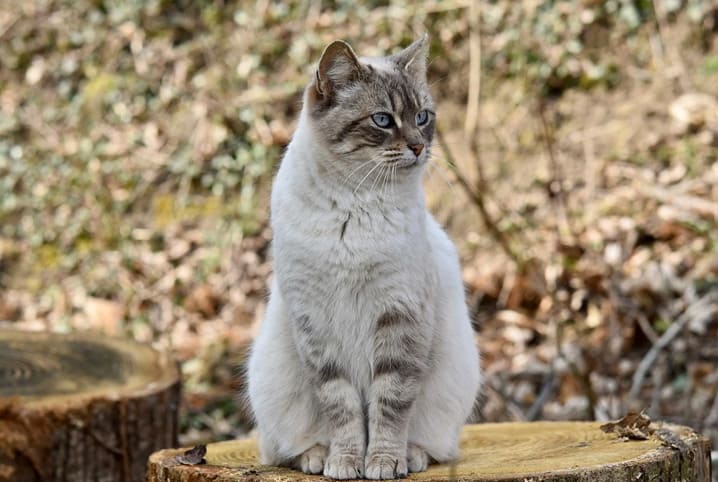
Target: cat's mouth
{"x":408,"y":163}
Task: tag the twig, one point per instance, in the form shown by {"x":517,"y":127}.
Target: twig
{"x":5,"y":31}
{"x":547,"y":390}
{"x":712,"y":418}
{"x":699,"y":309}
{"x":658,"y":381}
{"x":659,"y":28}
{"x":472,"y":128}
{"x":556,"y":175}
{"x":506,"y":287}
{"x":662,"y":30}
{"x":472,"y":105}
{"x":511,"y":407}
{"x":646,"y":328}
{"x":582,"y":376}
{"x":589,"y":156}
{"x":477,"y":197}
{"x":550,"y":143}
{"x":703,"y":207}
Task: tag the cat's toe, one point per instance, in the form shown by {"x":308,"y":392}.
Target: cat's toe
{"x":417,"y":458}
{"x":344,"y":466}
{"x":312,"y":461}
{"x":382,"y":466}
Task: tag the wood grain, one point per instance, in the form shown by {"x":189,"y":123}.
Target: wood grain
{"x":510,"y":452}
{"x":82,"y":407}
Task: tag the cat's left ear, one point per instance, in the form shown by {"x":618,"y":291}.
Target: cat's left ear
{"x":413,"y":58}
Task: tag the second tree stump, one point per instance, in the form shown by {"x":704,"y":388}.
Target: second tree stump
{"x":82,"y":407}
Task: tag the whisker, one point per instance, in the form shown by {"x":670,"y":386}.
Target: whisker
{"x":393,"y":180}
{"x":386,"y":179}
{"x":376,"y":179}
{"x":378,"y":164}
{"x":373,"y":159}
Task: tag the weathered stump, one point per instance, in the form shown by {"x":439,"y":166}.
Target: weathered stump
{"x":520,"y":452}
{"x":82,"y":407}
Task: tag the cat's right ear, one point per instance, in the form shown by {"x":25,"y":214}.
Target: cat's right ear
{"x":338,"y":66}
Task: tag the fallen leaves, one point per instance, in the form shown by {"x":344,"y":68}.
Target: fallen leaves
{"x":134,"y":192}
{"x":203,"y":300}
{"x":107,"y":315}
{"x":634,"y":426}
{"x":694,"y":110}
{"x":193,"y":456}
{"x":637,"y":426}
{"x":9,"y":311}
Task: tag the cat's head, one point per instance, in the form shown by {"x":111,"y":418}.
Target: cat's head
{"x":377,"y":109}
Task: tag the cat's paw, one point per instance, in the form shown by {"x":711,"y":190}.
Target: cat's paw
{"x":344,"y":466}
{"x":417,"y":458}
{"x":312,"y":460}
{"x":381,"y":466}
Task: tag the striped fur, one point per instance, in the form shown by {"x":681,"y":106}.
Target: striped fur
{"x":365,"y":365}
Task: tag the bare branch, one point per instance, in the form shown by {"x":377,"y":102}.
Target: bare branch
{"x":704,"y":306}
{"x":477,"y":197}
{"x":472,"y":104}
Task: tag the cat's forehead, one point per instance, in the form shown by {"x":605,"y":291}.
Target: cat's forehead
{"x":381,"y":64}
{"x":388,"y":84}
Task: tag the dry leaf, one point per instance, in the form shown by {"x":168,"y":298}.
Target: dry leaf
{"x":104,"y":314}
{"x":693,"y":110}
{"x":193,"y":456}
{"x":202,"y":300}
{"x":9,"y":311}
{"x":634,"y":426}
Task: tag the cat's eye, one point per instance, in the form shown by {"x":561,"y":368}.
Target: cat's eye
{"x":422,"y":117}
{"x":382,"y":119}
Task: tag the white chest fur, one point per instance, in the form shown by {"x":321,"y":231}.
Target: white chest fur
{"x":354,"y":255}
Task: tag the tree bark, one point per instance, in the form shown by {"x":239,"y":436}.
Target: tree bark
{"x":510,"y":452}
{"x":82,"y":407}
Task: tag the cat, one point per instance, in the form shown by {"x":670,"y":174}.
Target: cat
{"x":365,"y":364}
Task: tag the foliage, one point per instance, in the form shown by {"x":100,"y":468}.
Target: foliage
{"x":559,"y":44}
{"x":138,"y":140}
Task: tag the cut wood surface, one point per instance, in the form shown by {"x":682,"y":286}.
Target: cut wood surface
{"x":82,"y":407}
{"x":521,"y":452}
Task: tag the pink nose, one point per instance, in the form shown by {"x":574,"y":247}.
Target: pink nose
{"x":416,"y":148}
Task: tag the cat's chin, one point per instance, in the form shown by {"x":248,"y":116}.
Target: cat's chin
{"x":408,"y":163}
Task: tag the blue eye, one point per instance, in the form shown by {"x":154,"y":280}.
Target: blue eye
{"x":382,"y":119}
{"x":422,"y":117}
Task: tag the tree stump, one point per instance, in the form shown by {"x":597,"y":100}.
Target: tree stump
{"x":509,"y":452}
{"x":83,"y":407}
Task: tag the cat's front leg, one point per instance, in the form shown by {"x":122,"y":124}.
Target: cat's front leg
{"x":338,"y":401}
{"x":400,"y":352}
{"x":343,"y":411}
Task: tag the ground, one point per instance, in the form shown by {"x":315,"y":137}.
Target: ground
{"x":138,"y":141}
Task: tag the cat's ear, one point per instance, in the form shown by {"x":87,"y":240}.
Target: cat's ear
{"x":413,"y":58}
{"x":338,"y":66}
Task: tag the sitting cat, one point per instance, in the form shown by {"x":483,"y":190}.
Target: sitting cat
{"x":366,"y":364}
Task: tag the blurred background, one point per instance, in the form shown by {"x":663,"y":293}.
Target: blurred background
{"x":576,"y":169}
